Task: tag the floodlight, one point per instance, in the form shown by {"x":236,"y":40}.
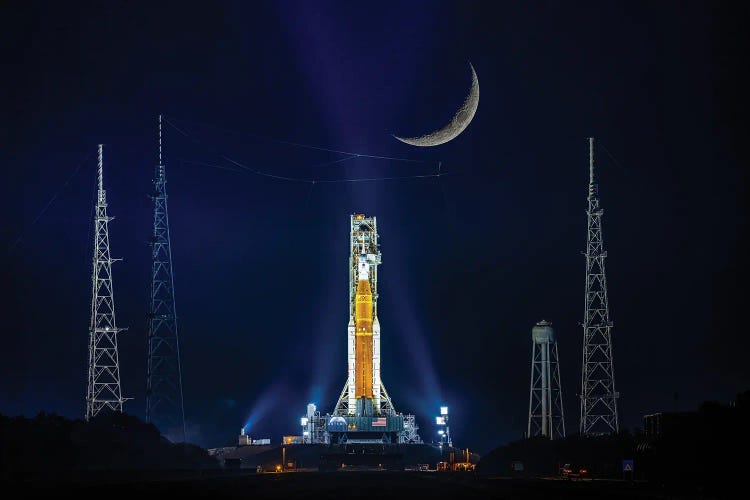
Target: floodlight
{"x":443,"y":410}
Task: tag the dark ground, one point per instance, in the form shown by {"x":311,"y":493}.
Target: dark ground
{"x":307,"y":456}
{"x":117,"y":455}
{"x":351,"y":484}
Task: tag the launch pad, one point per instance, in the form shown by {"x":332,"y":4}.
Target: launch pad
{"x":364,"y":421}
{"x":364,"y":431}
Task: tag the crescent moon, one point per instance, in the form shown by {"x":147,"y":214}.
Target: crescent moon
{"x":458,"y":124}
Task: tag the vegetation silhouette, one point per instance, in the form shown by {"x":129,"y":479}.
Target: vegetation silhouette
{"x":49,"y":444}
{"x":703,"y":450}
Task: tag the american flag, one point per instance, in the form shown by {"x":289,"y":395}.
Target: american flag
{"x":379,"y":422}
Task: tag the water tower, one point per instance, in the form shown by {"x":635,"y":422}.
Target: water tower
{"x":545,"y":395}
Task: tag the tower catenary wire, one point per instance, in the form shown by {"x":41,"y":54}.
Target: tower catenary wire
{"x":104,"y":390}
{"x":598,"y":394}
{"x":164,"y":400}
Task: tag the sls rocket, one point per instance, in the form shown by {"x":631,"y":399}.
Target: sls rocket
{"x":364,"y":392}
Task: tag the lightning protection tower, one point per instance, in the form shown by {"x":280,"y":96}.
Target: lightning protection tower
{"x":104,"y":365}
{"x":598,"y":395}
{"x":164,"y":406}
{"x":546,"y":416}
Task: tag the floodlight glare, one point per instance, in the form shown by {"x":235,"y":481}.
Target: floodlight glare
{"x":440,"y":420}
{"x":443,"y":410}
{"x":303,"y":421}
{"x":441,"y":432}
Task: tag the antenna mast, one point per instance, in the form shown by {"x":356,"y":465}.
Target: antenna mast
{"x":598,"y":395}
{"x":164,"y":402}
{"x":104,"y":365}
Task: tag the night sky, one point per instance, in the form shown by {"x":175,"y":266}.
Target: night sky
{"x":470,"y":260}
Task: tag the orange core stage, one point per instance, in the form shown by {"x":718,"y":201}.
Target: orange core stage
{"x":363,"y":346}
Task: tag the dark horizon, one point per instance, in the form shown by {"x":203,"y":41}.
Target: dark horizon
{"x":470,"y":260}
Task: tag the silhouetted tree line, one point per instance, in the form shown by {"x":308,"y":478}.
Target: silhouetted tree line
{"x":706,"y":450}
{"x":51,"y":444}
{"x":601,"y":456}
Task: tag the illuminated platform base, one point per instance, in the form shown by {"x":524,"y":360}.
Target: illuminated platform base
{"x":364,"y":430}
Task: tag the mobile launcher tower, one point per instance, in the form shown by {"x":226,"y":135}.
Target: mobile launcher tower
{"x":364,"y":413}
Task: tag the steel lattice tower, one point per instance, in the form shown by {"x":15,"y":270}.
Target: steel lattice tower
{"x":104,"y":364}
{"x":546,"y":415}
{"x":598,"y":395}
{"x":164,"y":406}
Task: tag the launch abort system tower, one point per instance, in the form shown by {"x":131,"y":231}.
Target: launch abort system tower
{"x":598,"y":395}
{"x":546,"y":416}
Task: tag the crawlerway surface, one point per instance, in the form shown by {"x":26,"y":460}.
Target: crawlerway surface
{"x":341,"y":484}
